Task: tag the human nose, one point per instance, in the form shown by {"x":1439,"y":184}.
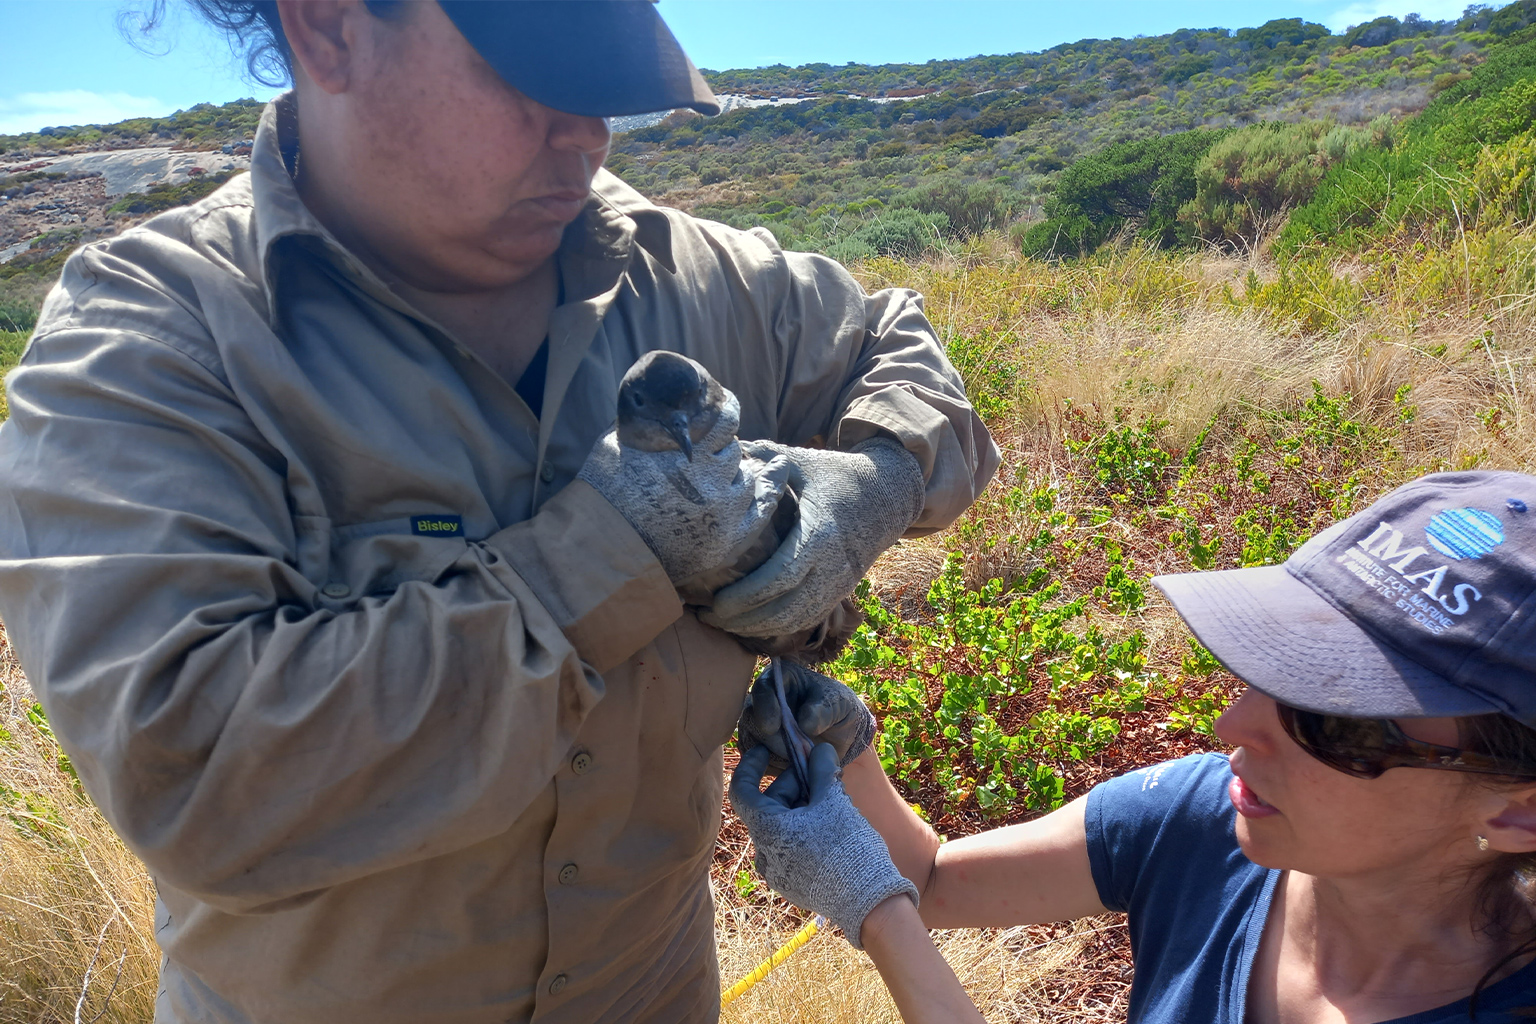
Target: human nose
{"x":576,"y":133}
{"x":1251,"y":722}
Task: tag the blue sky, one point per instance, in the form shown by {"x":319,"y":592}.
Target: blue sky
{"x":87,"y":73}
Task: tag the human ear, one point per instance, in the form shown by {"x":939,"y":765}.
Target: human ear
{"x":317,"y":35}
{"x":1512,"y":828}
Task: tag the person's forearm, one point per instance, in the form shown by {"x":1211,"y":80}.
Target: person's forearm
{"x":1030,"y":873}
{"x":920,"y":979}
{"x":912,"y":843}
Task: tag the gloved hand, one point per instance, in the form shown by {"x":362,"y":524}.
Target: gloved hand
{"x":823,"y":857}
{"x":853,"y":505}
{"x":825,"y":709}
{"x":694,"y":514}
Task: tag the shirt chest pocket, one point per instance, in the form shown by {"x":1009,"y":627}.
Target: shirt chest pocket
{"x":348,"y":563}
{"x":718,"y":671}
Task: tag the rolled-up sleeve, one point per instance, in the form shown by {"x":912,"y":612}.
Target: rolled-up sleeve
{"x":252,"y":741}
{"x":896,"y":379}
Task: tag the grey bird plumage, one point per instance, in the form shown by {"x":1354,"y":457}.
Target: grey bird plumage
{"x":668,"y":402}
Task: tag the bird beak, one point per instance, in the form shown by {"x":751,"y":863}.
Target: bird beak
{"x":677,"y":426}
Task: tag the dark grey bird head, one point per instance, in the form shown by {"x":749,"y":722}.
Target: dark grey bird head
{"x":668,"y":402}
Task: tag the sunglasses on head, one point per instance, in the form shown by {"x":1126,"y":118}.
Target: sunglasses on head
{"x":1366,"y":747}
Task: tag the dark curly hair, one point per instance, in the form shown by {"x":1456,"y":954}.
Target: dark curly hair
{"x":254,"y":30}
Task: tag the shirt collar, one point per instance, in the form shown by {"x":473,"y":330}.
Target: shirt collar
{"x":281,"y":216}
{"x":615,"y":215}
{"x":652,"y":228}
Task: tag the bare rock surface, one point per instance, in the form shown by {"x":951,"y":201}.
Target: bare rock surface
{"x":134,"y":170}
{"x":54,"y":203}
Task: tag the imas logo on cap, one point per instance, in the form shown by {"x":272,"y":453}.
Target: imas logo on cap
{"x":1465,"y":532}
{"x":1426,"y":594}
{"x":438,"y":526}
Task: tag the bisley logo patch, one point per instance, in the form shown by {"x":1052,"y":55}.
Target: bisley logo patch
{"x":1428,"y":595}
{"x":438,"y":526}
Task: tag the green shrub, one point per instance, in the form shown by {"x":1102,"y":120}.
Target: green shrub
{"x":970,"y":743}
{"x":1424,"y":182}
{"x":21,"y":296}
{"x":1257,"y":173}
{"x":988,"y":362}
{"x":1513,"y":18}
{"x":163,"y":196}
{"x":12,"y":345}
{"x":16,"y":317}
{"x":1126,"y":458}
{"x":203,"y":124}
{"x":1379,"y":32}
{"x":1140,"y":185}
{"x":1188,"y":67}
{"x":904,"y":234}
{"x":969,"y":209}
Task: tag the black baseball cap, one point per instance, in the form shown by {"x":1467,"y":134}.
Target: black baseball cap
{"x":1422,"y":605}
{"x":598,"y":58}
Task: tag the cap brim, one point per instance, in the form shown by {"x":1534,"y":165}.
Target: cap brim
{"x":600,"y":58}
{"x":1280,"y":636}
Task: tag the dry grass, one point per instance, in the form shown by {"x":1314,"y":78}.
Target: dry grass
{"x":1186,"y":341}
{"x":76,"y":908}
{"x":1015,"y":975}
{"x":1178,"y":339}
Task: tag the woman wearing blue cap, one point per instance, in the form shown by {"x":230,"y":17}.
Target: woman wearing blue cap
{"x":1363,"y":855}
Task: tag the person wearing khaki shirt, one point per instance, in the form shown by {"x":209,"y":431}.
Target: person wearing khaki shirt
{"x":407,"y":720}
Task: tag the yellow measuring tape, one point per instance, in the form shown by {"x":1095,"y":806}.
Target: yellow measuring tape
{"x":781,"y":954}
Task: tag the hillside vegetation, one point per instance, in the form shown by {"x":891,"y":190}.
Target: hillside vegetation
{"x":855,"y":178}
{"x":1207,"y":345}
{"x":201,"y":126}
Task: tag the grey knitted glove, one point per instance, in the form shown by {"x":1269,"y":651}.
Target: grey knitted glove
{"x":853,"y":505}
{"x":825,"y":709}
{"x":823,"y":857}
{"x":694,"y":514}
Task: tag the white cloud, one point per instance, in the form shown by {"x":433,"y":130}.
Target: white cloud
{"x":29,"y":111}
{"x":1361,"y":11}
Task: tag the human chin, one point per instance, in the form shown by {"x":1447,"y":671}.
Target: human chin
{"x":1268,"y":842}
{"x":476,"y":264}
{"x":525,"y":249}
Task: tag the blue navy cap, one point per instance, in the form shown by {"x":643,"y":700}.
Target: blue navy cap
{"x":1423,"y":605}
{"x":598,"y":58}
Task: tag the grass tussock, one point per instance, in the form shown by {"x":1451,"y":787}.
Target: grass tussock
{"x":1437,"y":346}
{"x":1014,"y":975}
{"x":76,"y":908}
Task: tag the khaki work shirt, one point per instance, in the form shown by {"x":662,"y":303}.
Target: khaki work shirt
{"x":407,"y":723}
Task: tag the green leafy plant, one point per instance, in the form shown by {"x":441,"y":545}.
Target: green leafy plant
{"x":1126,"y":458}
{"x":952,"y":692}
{"x":988,"y":363}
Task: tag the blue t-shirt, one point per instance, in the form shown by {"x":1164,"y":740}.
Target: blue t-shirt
{"x":1163,"y":847}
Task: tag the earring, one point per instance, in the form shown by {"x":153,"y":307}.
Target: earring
{"x":1482,"y":843}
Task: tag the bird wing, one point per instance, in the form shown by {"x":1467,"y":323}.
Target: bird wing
{"x":700,"y":589}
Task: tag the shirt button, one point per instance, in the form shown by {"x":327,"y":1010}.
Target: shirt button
{"x":335,"y":590}
{"x":568,"y":874}
{"x":547,"y":473}
{"x":557,"y":984}
{"x":581,"y":763}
